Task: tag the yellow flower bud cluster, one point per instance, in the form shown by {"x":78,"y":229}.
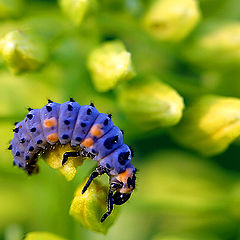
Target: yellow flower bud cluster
{"x":209,"y":125}
{"x":172,"y":20}
{"x":23,"y":52}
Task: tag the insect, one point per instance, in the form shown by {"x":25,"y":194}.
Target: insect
{"x":90,"y":133}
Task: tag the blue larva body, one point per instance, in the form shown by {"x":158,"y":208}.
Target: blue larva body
{"x":82,"y":126}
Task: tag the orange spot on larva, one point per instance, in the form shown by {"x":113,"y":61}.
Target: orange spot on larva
{"x":53,"y":137}
{"x":96,"y":130}
{"x":125,"y":175}
{"x":88,"y":142}
{"x":51,"y":122}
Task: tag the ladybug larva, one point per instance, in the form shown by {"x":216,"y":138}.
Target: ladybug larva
{"x":91,"y":133}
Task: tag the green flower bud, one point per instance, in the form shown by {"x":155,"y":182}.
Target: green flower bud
{"x":151,"y":104}
{"x":54,"y":160}
{"x":11,"y":8}
{"x":74,"y":9}
{"x":216,"y":48}
{"x":88,"y":208}
{"x":22,"y":52}
{"x":109,"y":64}
{"x":210,"y":124}
{"x":172,"y":20}
{"x":42,"y":236}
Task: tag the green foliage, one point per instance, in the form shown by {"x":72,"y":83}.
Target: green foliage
{"x":11,"y":8}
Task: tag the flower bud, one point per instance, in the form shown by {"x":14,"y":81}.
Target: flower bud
{"x":109,"y":64}
{"x":88,"y":208}
{"x":54,"y":160}
{"x":209,"y":125}
{"x":216,"y":48}
{"x":172,"y":20}
{"x":151,"y":104}
{"x":9,"y":9}
{"x":74,"y":9}
{"x":22,"y":52}
{"x":42,"y":236}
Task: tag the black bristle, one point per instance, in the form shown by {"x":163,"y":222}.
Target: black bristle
{"x":65,"y":136}
{"x":33,"y":129}
{"x":50,"y":101}
{"x":83,"y":124}
{"x":49,"y":109}
{"x":105,"y":122}
{"x":122,"y":131}
{"x":29,"y":116}
{"x":16,"y":123}
{"x":70,"y":108}
{"x":67,"y":122}
{"x":92,"y":104}
{"x":16,"y":130}
{"x":31,"y":149}
{"x":10,"y":147}
{"x":30,"y":109}
{"x":115,"y":139}
{"x":110,"y":116}
{"x":132,"y":151}
{"x":72,"y":100}
{"x":89,"y":111}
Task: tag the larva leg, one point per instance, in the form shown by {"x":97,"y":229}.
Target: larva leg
{"x":98,"y":171}
{"x":110,"y":206}
{"x":69,"y":154}
{"x":93,"y":175}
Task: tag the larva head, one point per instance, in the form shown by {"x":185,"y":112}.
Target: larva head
{"x":126,"y":184}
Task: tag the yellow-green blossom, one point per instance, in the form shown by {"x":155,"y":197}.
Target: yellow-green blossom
{"x":23,"y":52}
{"x":109,"y":64}
{"x":210,"y":124}
{"x":88,"y":208}
{"x":218,"y":48}
{"x":54,"y":160}
{"x":151,"y":104}
{"x":172,"y":20}
{"x":11,"y":8}
{"x":42,"y":236}
{"x":74,"y":9}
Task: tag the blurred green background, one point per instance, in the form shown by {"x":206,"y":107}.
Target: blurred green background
{"x":170,"y":77}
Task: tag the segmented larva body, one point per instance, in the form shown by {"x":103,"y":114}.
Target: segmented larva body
{"x":83,"y":126}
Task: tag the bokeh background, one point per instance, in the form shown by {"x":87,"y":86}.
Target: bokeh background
{"x":162,"y":55}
